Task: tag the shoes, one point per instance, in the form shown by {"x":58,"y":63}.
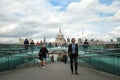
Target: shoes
{"x":76,"y":73}
{"x":72,"y":73}
{"x":43,"y":67}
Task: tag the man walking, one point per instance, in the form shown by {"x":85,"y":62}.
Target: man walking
{"x":73,"y":54}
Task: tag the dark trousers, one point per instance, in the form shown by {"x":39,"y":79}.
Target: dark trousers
{"x":73,"y":60}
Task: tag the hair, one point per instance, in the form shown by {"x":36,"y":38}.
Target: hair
{"x":72,"y":39}
{"x":85,"y":39}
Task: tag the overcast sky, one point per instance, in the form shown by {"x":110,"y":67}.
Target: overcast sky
{"x":98,"y":19}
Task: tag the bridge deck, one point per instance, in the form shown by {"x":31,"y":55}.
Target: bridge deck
{"x":55,"y":71}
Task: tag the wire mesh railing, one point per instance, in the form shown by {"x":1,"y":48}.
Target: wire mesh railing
{"x":13,"y":55}
{"x":103,"y":59}
{"x":99,"y":56}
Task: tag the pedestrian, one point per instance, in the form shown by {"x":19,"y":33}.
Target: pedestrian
{"x":85,"y":44}
{"x":26,"y":44}
{"x":43,"y":55}
{"x":32,"y":44}
{"x":73,"y":54}
{"x":65,"y":58}
{"x":52,"y":58}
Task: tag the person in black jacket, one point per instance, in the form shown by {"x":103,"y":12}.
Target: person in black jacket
{"x":85,"y":44}
{"x":26,"y":43}
{"x":65,"y":58}
{"x":73,"y":54}
{"x":43,"y":51}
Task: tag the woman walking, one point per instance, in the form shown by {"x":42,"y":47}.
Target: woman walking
{"x":43,"y":54}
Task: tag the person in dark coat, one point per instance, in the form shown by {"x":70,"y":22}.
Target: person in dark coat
{"x":26,"y":43}
{"x":65,"y":58}
{"x":85,"y":44}
{"x":52,"y":58}
{"x":43,"y":52}
{"x":73,"y":54}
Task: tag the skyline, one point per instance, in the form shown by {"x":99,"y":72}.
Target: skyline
{"x":99,"y":19}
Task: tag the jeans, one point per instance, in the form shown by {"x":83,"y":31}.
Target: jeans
{"x":73,"y":59}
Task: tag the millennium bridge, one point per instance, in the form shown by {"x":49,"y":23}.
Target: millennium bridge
{"x":98,"y":62}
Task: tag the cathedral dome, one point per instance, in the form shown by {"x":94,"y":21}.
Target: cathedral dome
{"x":60,"y":38}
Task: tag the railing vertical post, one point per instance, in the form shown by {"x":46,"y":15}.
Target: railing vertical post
{"x":8,"y":61}
{"x":99,"y":65}
{"x":113,"y":65}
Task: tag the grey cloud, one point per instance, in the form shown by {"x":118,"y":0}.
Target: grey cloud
{"x":38,"y":19}
{"x":8,"y":19}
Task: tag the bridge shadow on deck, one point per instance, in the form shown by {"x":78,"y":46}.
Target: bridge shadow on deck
{"x":55,"y":71}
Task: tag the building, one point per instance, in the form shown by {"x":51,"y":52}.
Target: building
{"x":44,"y":40}
{"x":68,"y":41}
{"x":21,"y":41}
{"x":118,"y":39}
{"x":79,"y":41}
{"x":60,"y":40}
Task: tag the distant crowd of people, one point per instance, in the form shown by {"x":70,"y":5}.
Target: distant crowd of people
{"x":26,"y":43}
{"x":31,"y":44}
